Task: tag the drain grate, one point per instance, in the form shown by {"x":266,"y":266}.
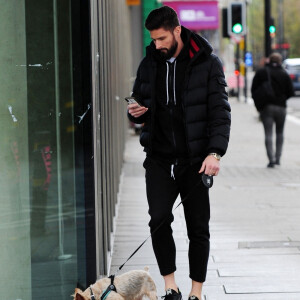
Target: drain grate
{"x":268,"y":244}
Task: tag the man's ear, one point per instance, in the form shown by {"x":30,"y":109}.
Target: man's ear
{"x":177,"y":30}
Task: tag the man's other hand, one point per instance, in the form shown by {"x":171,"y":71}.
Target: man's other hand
{"x":210,"y":166}
{"x":136,"y":111}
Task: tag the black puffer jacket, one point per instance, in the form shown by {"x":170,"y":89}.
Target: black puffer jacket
{"x":205,"y":103}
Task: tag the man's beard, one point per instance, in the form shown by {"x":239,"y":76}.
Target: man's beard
{"x":170,"y":52}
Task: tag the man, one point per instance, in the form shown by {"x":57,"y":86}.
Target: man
{"x":186,"y":117}
{"x":273,"y":109}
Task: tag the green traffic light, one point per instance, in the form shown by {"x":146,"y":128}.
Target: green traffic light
{"x":237,"y":28}
{"x":272,"y":29}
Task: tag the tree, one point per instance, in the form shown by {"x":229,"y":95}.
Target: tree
{"x":256,"y":30}
{"x":291,"y":10}
{"x":291,"y":27}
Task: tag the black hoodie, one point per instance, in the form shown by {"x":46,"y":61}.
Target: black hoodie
{"x":169,"y":140}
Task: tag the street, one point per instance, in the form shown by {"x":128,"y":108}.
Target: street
{"x":294,"y":106}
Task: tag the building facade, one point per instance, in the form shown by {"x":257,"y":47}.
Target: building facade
{"x":66,"y":66}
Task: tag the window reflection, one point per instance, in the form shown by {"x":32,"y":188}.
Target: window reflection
{"x":37,"y":179}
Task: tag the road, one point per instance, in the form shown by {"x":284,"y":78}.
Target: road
{"x":294,"y":106}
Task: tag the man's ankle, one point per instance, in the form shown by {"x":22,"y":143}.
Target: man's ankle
{"x":196,"y":289}
{"x":195,"y":292}
{"x":172,"y":287}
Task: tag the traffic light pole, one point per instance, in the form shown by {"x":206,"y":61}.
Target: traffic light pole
{"x":237,"y":28}
{"x":267,"y":26}
{"x":245,"y":76}
{"x":244,"y":55}
{"x":238,"y":68}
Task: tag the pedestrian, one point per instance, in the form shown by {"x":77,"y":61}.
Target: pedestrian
{"x":272,"y":108}
{"x":184,"y":107}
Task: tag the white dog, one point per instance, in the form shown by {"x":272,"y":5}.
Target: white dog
{"x":133,"y":285}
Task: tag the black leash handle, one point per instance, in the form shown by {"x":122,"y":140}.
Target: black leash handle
{"x":140,"y":246}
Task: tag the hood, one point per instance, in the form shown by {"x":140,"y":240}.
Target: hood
{"x":195,"y":45}
{"x":273,"y":65}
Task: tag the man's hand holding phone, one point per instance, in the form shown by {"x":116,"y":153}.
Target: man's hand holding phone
{"x":135,"y":108}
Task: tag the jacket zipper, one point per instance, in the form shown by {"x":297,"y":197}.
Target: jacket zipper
{"x":153,"y":107}
{"x":183,"y":108}
{"x":170,"y":82}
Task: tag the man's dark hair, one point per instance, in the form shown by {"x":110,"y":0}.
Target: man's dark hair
{"x":276,"y":58}
{"x":164,"y":17}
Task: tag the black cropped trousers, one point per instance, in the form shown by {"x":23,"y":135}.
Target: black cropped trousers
{"x":164,"y":182}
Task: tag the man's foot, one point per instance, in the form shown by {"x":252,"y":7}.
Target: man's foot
{"x":271,"y":165}
{"x":193,"y":298}
{"x":172,"y":295}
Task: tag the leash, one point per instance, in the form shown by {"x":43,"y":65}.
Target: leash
{"x":207,"y":180}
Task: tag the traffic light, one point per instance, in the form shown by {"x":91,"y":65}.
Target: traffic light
{"x":272,"y":28}
{"x":237,"y":18}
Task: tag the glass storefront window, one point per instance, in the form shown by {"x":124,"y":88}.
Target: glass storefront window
{"x":38,"y":252}
{"x":61,"y":68}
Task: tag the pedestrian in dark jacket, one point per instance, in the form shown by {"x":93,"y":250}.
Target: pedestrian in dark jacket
{"x":184,"y":107}
{"x":273,"y":110}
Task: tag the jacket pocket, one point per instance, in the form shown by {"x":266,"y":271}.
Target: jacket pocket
{"x":222,"y":81}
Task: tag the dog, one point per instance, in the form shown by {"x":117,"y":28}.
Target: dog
{"x":132,"y":285}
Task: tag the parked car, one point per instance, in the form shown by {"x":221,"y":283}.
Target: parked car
{"x":292,"y":65}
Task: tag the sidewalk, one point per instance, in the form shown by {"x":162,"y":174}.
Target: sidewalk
{"x":255,"y":227}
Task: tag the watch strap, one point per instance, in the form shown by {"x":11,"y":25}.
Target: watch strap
{"x":215,"y":155}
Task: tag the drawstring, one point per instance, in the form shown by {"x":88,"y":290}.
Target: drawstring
{"x":172,"y":172}
{"x":167,"y":83}
{"x":173,"y":64}
{"x":174,"y":83}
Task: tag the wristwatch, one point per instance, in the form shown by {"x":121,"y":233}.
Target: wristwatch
{"x":215,"y":155}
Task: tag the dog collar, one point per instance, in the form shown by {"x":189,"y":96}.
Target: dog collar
{"x":92,"y":294}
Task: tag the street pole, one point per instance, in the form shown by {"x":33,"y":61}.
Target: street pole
{"x":245,"y":79}
{"x":267,"y":26}
{"x":280,"y":40}
{"x":238,"y":68}
{"x":245,"y":51}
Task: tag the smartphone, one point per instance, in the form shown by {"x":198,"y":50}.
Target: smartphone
{"x":132,"y":100}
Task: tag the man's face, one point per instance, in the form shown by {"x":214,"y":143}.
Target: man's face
{"x":165,"y":41}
